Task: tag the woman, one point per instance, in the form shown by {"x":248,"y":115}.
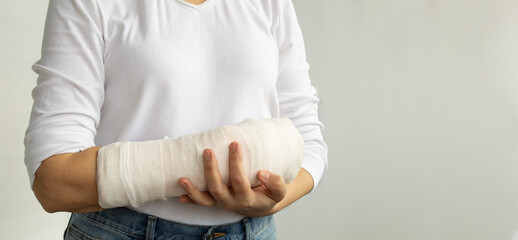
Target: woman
{"x":140,"y":70}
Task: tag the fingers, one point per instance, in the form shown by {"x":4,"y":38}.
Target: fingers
{"x":240,"y":198}
{"x":215,"y":185}
{"x":194,"y":195}
{"x":186,"y":199}
{"x":275,"y":184}
{"x":238,"y":177}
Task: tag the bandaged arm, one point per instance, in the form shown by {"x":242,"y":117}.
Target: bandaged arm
{"x":134,"y":173}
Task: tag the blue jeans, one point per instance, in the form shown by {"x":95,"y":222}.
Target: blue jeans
{"x":125,"y":224}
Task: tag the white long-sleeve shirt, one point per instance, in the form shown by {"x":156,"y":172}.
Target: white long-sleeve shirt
{"x":136,"y":70}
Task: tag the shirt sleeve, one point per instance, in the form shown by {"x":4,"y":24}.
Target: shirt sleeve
{"x":298,"y":98}
{"x":70,"y":85}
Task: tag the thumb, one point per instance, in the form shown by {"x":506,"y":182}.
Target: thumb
{"x":275,"y":184}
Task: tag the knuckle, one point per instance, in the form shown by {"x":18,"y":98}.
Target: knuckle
{"x":233,"y":158}
{"x":209,"y":166}
{"x":215,"y":191}
{"x":238,"y":179}
{"x":277,"y":178}
{"x":279,"y":181}
{"x":244,"y":204}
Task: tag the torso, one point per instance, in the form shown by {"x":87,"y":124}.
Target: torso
{"x":174,"y":68}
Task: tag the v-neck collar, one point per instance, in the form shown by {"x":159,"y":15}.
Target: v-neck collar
{"x":193,"y":6}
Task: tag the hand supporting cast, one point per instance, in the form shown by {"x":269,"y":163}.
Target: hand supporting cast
{"x":240,"y":197}
{"x":134,"y":173}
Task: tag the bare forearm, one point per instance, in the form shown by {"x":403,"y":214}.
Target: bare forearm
{"x":67,"y":182}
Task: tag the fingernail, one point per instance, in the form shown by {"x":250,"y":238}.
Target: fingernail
{"x":233,"y":147}
{"x":183,"y":184}
{"x":206,"y":155}
{"x":265,"y":174}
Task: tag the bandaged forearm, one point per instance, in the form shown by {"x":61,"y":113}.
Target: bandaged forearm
{"x":134,"y":173}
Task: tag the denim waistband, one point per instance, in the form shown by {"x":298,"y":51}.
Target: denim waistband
{"x":134,"y":225}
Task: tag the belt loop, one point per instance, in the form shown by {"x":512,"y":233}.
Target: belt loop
{"x":248,"y":230}
{"x":150,"y":228}
{"x":209,"y":235}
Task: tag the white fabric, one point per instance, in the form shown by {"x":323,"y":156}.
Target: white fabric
{"x":133,"y":173}
{"x":139,"y":70}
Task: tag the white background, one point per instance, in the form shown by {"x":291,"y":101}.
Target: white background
{"x":420,"y":104}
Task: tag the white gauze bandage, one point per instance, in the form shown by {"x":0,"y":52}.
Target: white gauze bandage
{"x":133,"y":173}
